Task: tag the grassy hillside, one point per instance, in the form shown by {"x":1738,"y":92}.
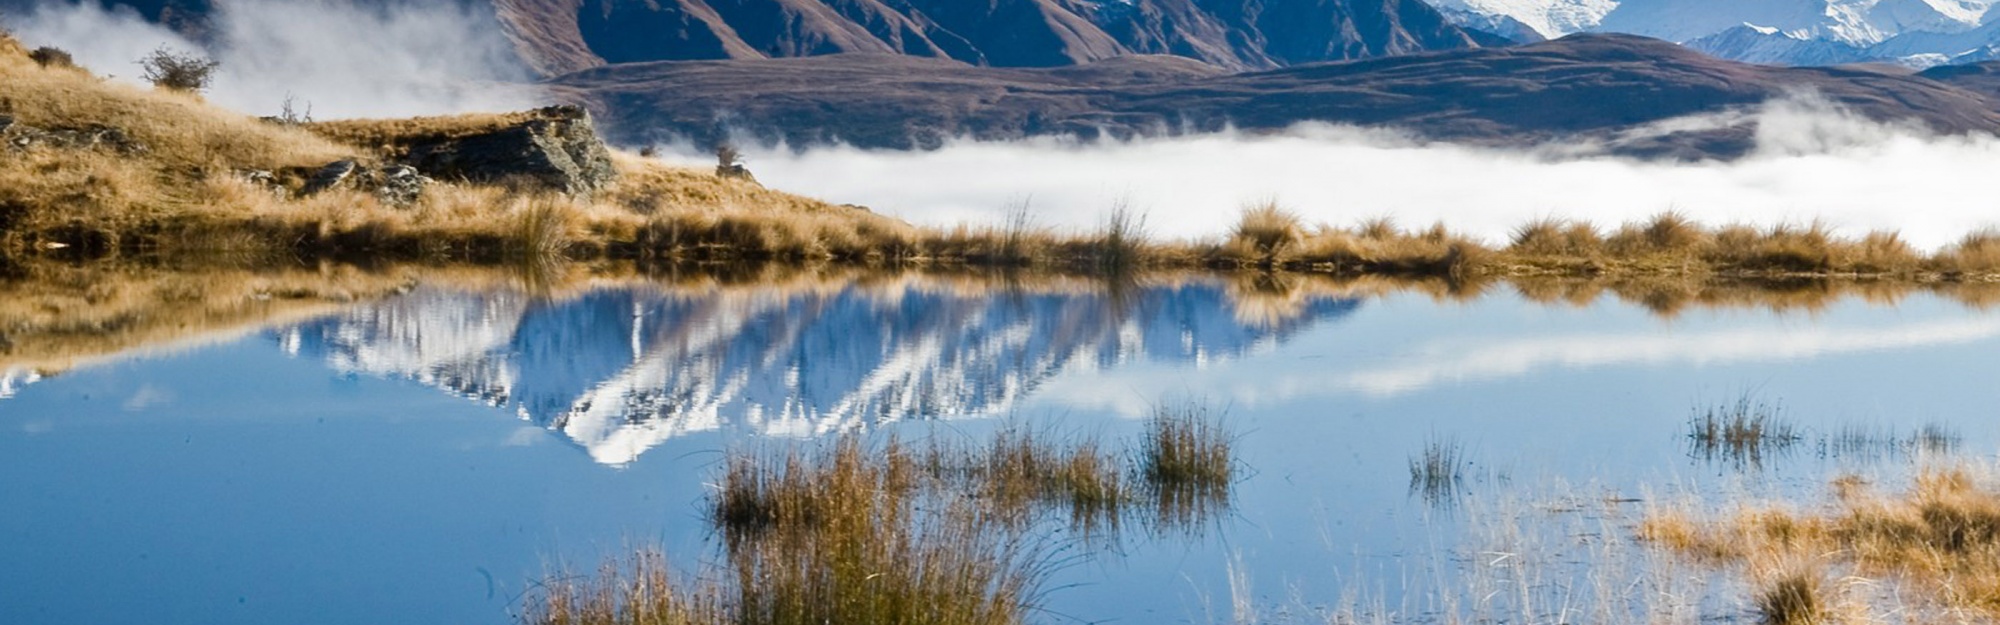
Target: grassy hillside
{"x":96,"y":169}
{"x":116,"y":169}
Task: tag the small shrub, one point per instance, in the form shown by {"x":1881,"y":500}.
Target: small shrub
{"x":52,"y":57}
{"x":168,"y":68}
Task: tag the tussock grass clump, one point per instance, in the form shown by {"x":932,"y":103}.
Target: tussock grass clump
{"x":1942,"y":535}
{"x":1021,"y":471}
{"x":1267,"y":230}
{"x":1669,"y":233}
{"x":1120,"y":244}
{"x":1741,"y":432}
{"x":1791,"y":598}
{"x":649,"y":593}
{"x":1976,"y":253}
{"x":845,"y":532}
{"x":843,"y":535}
{"x":1439,"y":471}
{"x":1552,"y":237}
{"x":1186,"y":464}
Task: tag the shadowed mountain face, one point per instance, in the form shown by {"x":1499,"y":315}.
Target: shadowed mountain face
{"x":560,"y":36}
{"x":619,"y":370}
{"x":1235,"y":34}
{"x":1605,"y":88}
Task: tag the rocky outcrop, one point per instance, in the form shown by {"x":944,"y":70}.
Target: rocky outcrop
{"x":393,"y":185}
{"x":330,"y":176}
{"x":19,"y":136}
{"x":555,"y":147}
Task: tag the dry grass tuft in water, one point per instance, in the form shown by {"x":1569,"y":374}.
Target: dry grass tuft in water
{"x":1791,"y":597}
{"x":1438,"y":473}
{"x":845,"y":532}
{"x":1940,"y":539}
{"x":1741,"y":432}
{"x":1186,"y":464}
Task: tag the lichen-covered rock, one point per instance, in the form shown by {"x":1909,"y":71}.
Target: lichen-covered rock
{"x":330,"y":176}
{"x":22,"y":136}
{"x":557,"y":147}
{"x":398,"y":185}
{"x":262,"y":179}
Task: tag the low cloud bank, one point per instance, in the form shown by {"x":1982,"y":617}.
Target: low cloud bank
{"x":1812,"y":161}
{"x":341,"y":57}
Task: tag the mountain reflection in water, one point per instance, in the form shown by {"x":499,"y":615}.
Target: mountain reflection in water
{"x":620,"y":369}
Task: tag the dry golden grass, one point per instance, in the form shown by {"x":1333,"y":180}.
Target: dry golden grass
{"x":55,"y":316}
{"x":183,"y":195}
{"x":1267,"y":230}
{"x":846,"y":532}
{"x":384,"y":134}
{"x":1942,"y":535}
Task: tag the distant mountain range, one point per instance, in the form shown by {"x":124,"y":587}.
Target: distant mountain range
{"x":1607,"y":91}
{"x":619,"y":370}
{"x":912,"y":73}
{"x":1916,"y":33}
{"x":556,"y":37}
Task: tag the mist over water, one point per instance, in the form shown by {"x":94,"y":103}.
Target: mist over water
{"x":340,"y":57}
{"x":1812,"y":161}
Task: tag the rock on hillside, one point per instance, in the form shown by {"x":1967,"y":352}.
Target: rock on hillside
{"x":1599,"y":87}
{"x":557,"y":147}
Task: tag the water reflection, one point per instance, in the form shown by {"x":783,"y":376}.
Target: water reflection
{"x":619,"y":369}
{"x":12,"y":379}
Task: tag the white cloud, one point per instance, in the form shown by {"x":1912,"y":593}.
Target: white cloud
{"x":343,"y":58}
{"x":1812,"y":162}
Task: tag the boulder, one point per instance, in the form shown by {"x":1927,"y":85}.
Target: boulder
{"x":398,"y":185}
{"x":330,"y":176}
{"x":556,"y":147}
{"x":394,"y":185}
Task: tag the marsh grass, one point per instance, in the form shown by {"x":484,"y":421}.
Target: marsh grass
{"x":848,"y":532}
{"x":186,"y":191}
{"x":1438,"y":473}
{"x":1741,"y":432}
{"x":1266,"y":231}
{"x":1792,"y":597}
{"x":1862,"y":442}
{"x":1940,"y":538}
{"x":1186,"y":465}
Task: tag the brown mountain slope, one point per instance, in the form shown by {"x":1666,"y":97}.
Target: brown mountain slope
{"x":555,"y":37}
{"x":1600,"y":87}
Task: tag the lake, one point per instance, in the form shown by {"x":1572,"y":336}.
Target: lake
{"x":427,"y":456}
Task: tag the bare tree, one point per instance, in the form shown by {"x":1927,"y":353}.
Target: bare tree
{"x":177,"y":70}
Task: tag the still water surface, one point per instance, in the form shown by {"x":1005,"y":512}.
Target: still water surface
{"x":422,"y":458}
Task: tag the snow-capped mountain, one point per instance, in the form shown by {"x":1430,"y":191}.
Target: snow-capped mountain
{"x":1546,"y":18}
{"x":618,"y":371}
{"x":1918,"y":33}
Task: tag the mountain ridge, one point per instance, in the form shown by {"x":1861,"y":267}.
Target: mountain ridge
{"x":1582,"y":87}
{"x":554,"y":37}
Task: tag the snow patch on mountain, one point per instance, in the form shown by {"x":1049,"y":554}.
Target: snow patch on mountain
{"x":1916,"y":33}
{"x":1548,"y":18}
